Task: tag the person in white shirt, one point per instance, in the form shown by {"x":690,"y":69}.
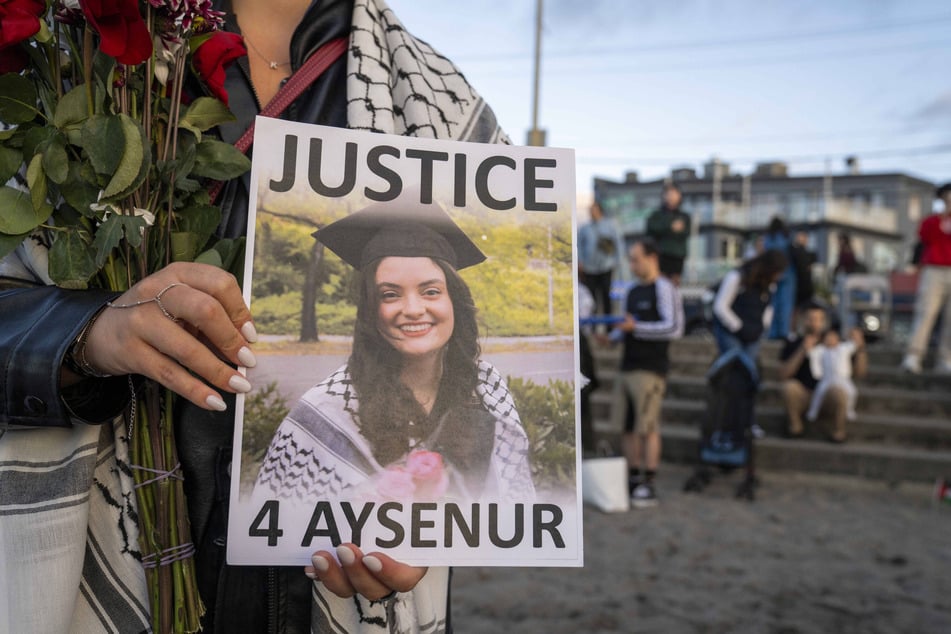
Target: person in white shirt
{"x":831,"y":363}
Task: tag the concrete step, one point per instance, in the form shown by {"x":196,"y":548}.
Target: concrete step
{"x":877,"y":376}
{"x":880,"y":353}
{"x":887,"y":429}
{"x":870,"y":460}
{"x":877,"y":400}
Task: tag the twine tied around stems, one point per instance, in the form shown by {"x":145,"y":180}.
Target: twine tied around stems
{"x":168,"y":556}
{"x":161,"y":475}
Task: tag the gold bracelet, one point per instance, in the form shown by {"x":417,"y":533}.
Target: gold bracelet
{"x":76,"y":356}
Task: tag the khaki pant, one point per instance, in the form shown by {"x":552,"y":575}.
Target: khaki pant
{"x":796,"y":398}
{"x":646,"y":392}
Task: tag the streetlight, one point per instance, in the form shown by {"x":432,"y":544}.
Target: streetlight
{"x":536,"y":136}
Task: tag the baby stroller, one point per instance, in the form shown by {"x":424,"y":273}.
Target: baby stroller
{"x":726,"y":438}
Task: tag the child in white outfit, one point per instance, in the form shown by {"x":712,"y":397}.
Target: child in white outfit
{"x":831,"y":365}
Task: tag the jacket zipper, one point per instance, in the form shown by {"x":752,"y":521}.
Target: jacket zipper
{"x":272,"y":601}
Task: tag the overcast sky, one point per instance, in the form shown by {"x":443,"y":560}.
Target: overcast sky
{"x":644,"y":85}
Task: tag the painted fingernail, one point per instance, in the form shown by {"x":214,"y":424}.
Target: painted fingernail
{"x":320,"y":563}
{"x":214,"y":402}
{"x":246,"y":357}
{"x":346,"y":556}
{"x":239,"y":384}
{"x":249,"y":332}
{"x":372,"y":563}
{"x":311,"y":575}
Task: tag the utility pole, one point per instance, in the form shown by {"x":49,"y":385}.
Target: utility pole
{"x":536,"y":136}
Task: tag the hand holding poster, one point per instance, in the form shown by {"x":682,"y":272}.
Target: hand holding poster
{"x":403,"y":430}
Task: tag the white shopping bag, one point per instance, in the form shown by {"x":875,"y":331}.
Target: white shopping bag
{"x":604,"y":484}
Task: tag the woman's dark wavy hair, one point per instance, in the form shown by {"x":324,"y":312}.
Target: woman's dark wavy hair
{"x":759,"y":272}
{"x":386,"y":405}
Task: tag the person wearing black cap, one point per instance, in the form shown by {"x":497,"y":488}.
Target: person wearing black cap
{"x":413,"y":382}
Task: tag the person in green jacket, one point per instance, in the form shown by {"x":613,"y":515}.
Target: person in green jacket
{"x":669,"y":227}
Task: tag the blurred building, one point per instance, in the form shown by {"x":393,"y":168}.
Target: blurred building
{"x":881,"y":212}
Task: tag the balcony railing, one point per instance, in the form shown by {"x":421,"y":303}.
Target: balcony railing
{"x":758,"y":216}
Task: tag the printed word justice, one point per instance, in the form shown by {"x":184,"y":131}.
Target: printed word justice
{"x":387,"y":163}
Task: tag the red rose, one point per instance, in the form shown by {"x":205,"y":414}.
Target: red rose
{"x":19,"y":20}
{"x":214,"y":56}
{"x":122,"y":31}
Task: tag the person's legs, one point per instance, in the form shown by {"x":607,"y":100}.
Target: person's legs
{"x":835,"y":409}
{"x":851,"y":396}
{"x":624,"y":418}
{"x":600,"y":286}
{"x":647,"y":390}
{"x":944,"y":343}
{"x":815,"y":402}
{"x":927,"y":305}
{"x":795,"y":399}
{"x":783,"y":306}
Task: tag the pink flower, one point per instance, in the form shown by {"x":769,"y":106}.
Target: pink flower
{"x":429,"y":474}
{"x":395,"y":484}
{"x":122,"y":31}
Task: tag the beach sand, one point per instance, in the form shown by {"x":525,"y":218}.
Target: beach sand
{"x":813,"y":553}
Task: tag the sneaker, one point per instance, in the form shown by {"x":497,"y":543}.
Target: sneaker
{"x":911,"y":363}
{"x":758,"y":432}
{"x":644,"y":496}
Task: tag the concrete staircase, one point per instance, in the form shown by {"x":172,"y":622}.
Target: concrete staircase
{"x":903,"y":431}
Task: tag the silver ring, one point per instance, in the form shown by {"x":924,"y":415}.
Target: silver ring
{"x":157,"y":299}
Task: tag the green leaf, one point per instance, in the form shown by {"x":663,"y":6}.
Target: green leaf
{"x":56,"y":161}
{"x":184,"y":246}
{"x":36,"y":139}
{"x":182,"y":125}
{"x":17,"y":99}
{"x":199,"y":220}
{"x":205,"y":113}
{"x":9,"y":243}
{"x":220,"y":161}
{"x":19,"y":216}
{"x":112,"y":230}
{"x":134,"y":164}
{"x":211,"y":257}
{"x":10,"y":161}
{"x":72,"y":108}
{"x":72,"y":260}
{"x":77,"y":191}
{"x":36,"y":181}
{"x":103,"y":67}
{"x":44,"y":35}
{"x":102,"y":138}
{"x":232,"y":255}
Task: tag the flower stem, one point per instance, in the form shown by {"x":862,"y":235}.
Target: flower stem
{"x":87,"y":67}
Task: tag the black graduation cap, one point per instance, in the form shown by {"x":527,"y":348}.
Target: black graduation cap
{"x":407,"y":230}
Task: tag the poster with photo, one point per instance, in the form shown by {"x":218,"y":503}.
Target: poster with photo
{"x":415,"y":390}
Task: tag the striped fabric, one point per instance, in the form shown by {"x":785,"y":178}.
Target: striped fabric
{"x":68,"y":538}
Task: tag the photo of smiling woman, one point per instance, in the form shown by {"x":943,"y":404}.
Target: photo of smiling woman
{"x":414,"y":413}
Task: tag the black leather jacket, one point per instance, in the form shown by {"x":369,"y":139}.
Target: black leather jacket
{"x":40,"y":322}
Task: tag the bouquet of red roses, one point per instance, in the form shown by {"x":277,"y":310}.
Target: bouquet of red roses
{"x":106,"y":155}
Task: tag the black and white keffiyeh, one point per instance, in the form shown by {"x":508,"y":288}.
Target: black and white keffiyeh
{"x":318,"y":452}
